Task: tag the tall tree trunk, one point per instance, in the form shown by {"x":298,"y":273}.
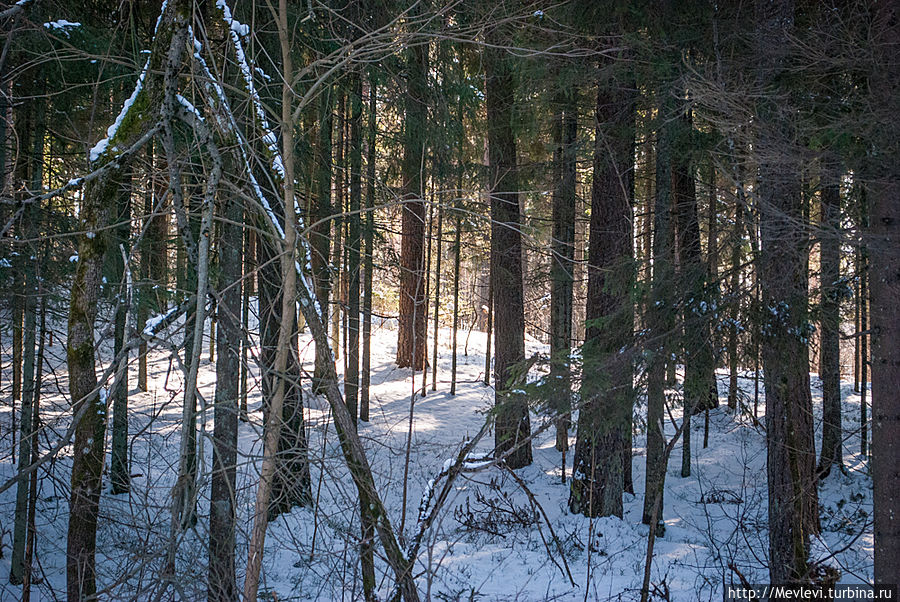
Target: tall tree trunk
{"x":368,"y":259}
{"x":737,"y":241}
{"x":602,"y":444}
{"x":88,"y":405}
{"x":90,"y":430}
{"x":830,"y":323}
{"x":248,"y":256}
{"x":30,"y":131}
{"x":366,"y":547}
{"x":863,"y":276}
{"x":429,"y":237}
{"x":320,"y":234}
{"x":287,"y":325}
{"x":562,"y":248}
{"x":791,"y":463}
{"x":885,"y":290}
{"x":699,"y":365}
{"x":490,"y":329}
{"x":513,"y":425}
{"x":456,"y":266}
{"x":411,"y":332}
{"x":437,"y":291}
{"x":222,"y":586}
{"x":661,"y":317}
{"x":338,"y":223}
{"x":351,"y":377}
{"x":35,"y":454}
{"x":120,"y":470}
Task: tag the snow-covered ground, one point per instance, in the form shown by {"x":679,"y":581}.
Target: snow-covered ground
{"x":488,"y":542}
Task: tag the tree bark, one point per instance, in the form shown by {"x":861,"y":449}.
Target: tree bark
{"x":830,"y":323}
{"x":791,"y":462}
{"x":699,"y":365}
{"x":411,"y":332}
{"x":320,"y":233}
{"x":562,"y":248}
{"x":368,"y":259}
{"x":513,"y":424}
{"x":660,"y":318}
{"x":885,"y":290}
{"x":222,"y":586}
{"x":604,"y":423}
{"x":120,"y":469}
{"x":351,"y":377}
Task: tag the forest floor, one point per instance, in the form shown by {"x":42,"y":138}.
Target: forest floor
{"x":488,"y":543}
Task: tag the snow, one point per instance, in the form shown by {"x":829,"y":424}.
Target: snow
{"x":712,"y":519}
{"x":61,"y":24}
{"x":102,"y":146}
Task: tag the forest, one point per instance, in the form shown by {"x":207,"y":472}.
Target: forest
{"x":448,"y":300}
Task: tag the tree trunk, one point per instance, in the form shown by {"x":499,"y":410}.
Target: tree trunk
{"x":791,"y":463}
{"x":830,"y":324}
{"x":120,"y":470}
{"x":222,"y":586}
{"x":248,"y":276}
{"x":26,"y":437}
{"x":35,"y":454}
{"x":30,"y":131}
{"x":456,"y":262}
{"x":699,"y":364}
{"x":513,"y":424}
{"x":885,"y":290}
{"x":562,"y":247}
{"x":368,"y":259}
{"x":437,"y":292}
{"x":90,"y":431}
{"x":337,"y":238}
{"x":320,"y":233}
{"x":88,"y":405}
{"x":863,"y":276}
{"x":602,"y":445}
{"x":351,"y":377}
{"x":736,"y":242}
{"x":411,"y":333}
{"x":660,"y":318}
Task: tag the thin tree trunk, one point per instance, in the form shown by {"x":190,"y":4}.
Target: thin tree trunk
{"x":119,"y":470}
{"x":337,"y":238}
{"x":437,"y":292}
{"x":351,"y":376}
{"x":864,"y":352}
{"x":320,"y":235}
{"x":248,"y":275}
{"x":699,"y":364}
{"x":737,"y":240}
{"x":490,"y":328}
{"x":26,"y":438}
{"x":830,"y":323}
{"x":565,"y":132}
{"x":430,"y":238}
{"x":288,"y":317}
{"x":31,"y":136}
{"x":369,"y":262}
{"x":660,"y":319}
{"x":35,"y":454}
{"x":456,"y":262}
